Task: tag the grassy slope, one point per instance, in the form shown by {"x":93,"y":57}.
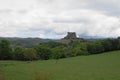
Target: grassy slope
{"x":94,"y":67}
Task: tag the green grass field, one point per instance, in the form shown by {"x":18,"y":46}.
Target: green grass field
{"x":93,"y":67}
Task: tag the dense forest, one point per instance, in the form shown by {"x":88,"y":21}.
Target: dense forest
{"x":56,"y":50}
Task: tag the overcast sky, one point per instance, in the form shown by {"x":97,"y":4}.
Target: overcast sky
{"x":54,"y":18}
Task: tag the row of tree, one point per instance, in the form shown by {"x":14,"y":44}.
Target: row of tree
{"x":55,"y":50}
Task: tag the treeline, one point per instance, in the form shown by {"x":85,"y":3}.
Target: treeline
{"x":55,"y":50}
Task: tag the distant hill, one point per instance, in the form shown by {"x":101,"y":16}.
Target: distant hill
{"x":25,"y":42}
{"x":94,"y":38}
{"x":30,"y":42}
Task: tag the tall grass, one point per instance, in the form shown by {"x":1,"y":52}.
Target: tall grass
{"x":42,"y":76}
{"x":37,"y":76}
{"x":2,"y":76}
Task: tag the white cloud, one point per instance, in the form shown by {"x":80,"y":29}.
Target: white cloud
{"x":54,"y":18}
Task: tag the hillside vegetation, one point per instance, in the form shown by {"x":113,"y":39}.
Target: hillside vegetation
{"x":24,"y":42}
{"x":104,"y":66}
{"x":57,"y":50}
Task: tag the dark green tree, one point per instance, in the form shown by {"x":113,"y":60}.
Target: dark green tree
{"x":5,"y":50}
{"x":58,"y":52}
{"x":19,"y":53}
{"x":118,"y":37}
{"x":107,"y":44}
{"x":95,"y":47}
{"x":81,"y":49}
{"x":118,"y":43}
{"x":52,"y":44}
{"x":30,"y":54}
{"x":43,"y":53}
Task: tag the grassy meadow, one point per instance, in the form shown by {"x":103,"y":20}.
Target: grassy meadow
{"x":104,"y":66}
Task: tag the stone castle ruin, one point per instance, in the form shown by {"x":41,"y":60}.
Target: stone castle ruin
{"x":71,"y":35}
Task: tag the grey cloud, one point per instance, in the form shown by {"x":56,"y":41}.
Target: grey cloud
{"x":22,"y":11}
{"x":4,"y":11}
{"x":109,"y":7}
{"x":71,"y":21}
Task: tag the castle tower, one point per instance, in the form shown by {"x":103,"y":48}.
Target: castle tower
{"x":71,"y":35}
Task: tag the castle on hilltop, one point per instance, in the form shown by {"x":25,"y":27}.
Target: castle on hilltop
{"x":71,"y":35}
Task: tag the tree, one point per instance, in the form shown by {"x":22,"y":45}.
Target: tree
{"x":115,"y":43}
{"x":81,"y":49}
{"x":18,"y":53}
{"x":5,"y":50}
{"x":30,"y":54}
{"x":58,"y":53}
{"x":119,"y":37}
{"x":68,"y":51}
{"x":43,"y":52}
{"x":52,"y":44}
{"x":119,"y":43}
{"x":91,"y":48}
{"x":98,"y":47}
{"x":107,"y":44}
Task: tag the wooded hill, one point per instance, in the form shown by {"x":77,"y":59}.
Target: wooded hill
{"x":25,"y":42}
